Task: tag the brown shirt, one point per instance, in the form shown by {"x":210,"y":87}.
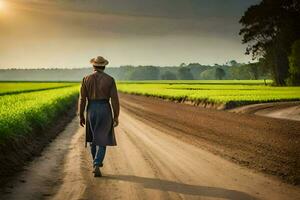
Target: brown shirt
{"x":99,"y":85}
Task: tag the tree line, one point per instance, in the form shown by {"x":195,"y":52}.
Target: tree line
{"x":272,"y":31}
{"x":194,"y":71}
{"x":232,"y":70}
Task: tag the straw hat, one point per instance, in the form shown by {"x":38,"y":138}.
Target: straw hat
{"x":99,"y":61}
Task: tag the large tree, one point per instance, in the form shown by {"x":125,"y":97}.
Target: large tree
{"x":294,"y":69}
{"x":269,"y":29}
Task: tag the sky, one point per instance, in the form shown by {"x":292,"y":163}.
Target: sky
{"x":68,"y":33}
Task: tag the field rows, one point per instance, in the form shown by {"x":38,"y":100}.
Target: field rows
{"x":37,"y":104}
{"x":20,"y":87}
{"x":21,"y":113}
{"x":228,"y":93}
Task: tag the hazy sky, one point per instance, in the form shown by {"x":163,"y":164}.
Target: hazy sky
{"x":68,"y":33}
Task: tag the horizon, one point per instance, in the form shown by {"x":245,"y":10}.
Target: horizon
{"x":107,"y":67}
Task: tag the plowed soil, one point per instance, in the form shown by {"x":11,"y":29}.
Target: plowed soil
{"x":261,"y":143}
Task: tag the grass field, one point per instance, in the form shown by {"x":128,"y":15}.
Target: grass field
{"x":26,"y":106}
{"x":227,"y":93}
{"x":20,"y":87}
{"x":21,"y":113}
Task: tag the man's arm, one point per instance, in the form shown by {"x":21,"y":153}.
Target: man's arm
{"x":115,"y":102}
{"x":82,"y":102}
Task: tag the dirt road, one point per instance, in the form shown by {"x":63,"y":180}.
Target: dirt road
{"x":148,"y":163}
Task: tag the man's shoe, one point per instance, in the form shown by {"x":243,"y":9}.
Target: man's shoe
{"x":97,"y":172}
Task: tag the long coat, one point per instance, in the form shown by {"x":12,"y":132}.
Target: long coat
{"x":96,"y":90}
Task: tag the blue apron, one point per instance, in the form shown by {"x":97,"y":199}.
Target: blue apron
{"x":99,"y":123}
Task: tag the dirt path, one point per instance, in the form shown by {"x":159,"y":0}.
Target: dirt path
{"x":146,"y":164}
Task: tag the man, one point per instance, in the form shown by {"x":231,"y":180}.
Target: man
{"x":97,"y":89}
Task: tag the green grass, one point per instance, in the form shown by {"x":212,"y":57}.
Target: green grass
{"x":228,"y":93}
{"x":20,"y":87}
{"x":21,"y":113}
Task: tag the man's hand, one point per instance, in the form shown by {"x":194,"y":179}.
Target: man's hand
{"x":116,"y":122}
{"x":82,"y":121}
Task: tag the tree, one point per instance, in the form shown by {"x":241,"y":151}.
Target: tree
{"x":184,"y":73}
{"x":253,"y":70}
{"x":182,"y":65}
{"x":233,"y":63}
{"x":219,"y":73}
{"x":269,"y":29}
{"x":124,"y":73}
{"x":294,"y":63}
{"x":168,"y":76}
{"x":208,"y":74}
{"x":145,"y":73}
{"x":196,"y":69}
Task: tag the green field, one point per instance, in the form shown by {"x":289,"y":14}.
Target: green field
{"x":26,"y":106}
{"x":19,"y":87}
{"x":226,"y":93}
{"x":34,"y":107}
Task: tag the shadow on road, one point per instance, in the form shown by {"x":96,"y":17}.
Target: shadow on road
{"x":165,"y":185}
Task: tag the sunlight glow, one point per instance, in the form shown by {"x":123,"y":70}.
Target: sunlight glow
{"x":2,"y":5}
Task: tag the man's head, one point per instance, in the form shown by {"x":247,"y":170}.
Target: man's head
{"x":99,"y":63}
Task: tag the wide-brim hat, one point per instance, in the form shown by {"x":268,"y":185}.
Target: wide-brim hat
{"x":99,"y":61}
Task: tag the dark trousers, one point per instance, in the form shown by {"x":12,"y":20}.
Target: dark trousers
{"x":98,"y":154}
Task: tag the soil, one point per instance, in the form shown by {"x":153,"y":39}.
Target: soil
{"x":261,"y":143}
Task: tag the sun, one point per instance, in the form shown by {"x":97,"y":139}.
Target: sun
{"x":2,"y":5}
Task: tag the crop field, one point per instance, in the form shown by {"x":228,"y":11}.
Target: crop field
{"x":20,"y":87}
{"x":226,"y":93}
{"x":37,"y":106}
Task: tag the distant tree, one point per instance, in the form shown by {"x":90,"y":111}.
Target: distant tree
{"x":233,"y":63}
{"x":168,"y":76}
{"x":253,"y":69}
{"x":208,"y":74}
{"x":242,"y":72}
{"x":219,"y":73}
{"x":145,"y":73}
{"x":263,"y":68}
{"x":184,"y":73}
{"x":196,"y":69}
{"x":294,"y":65}
{"x":125,"y":72}
{"x":182,"y":65}
{"x":270,"y":28}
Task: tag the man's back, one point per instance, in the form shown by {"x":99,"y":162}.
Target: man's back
{"x":98,"y":85}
